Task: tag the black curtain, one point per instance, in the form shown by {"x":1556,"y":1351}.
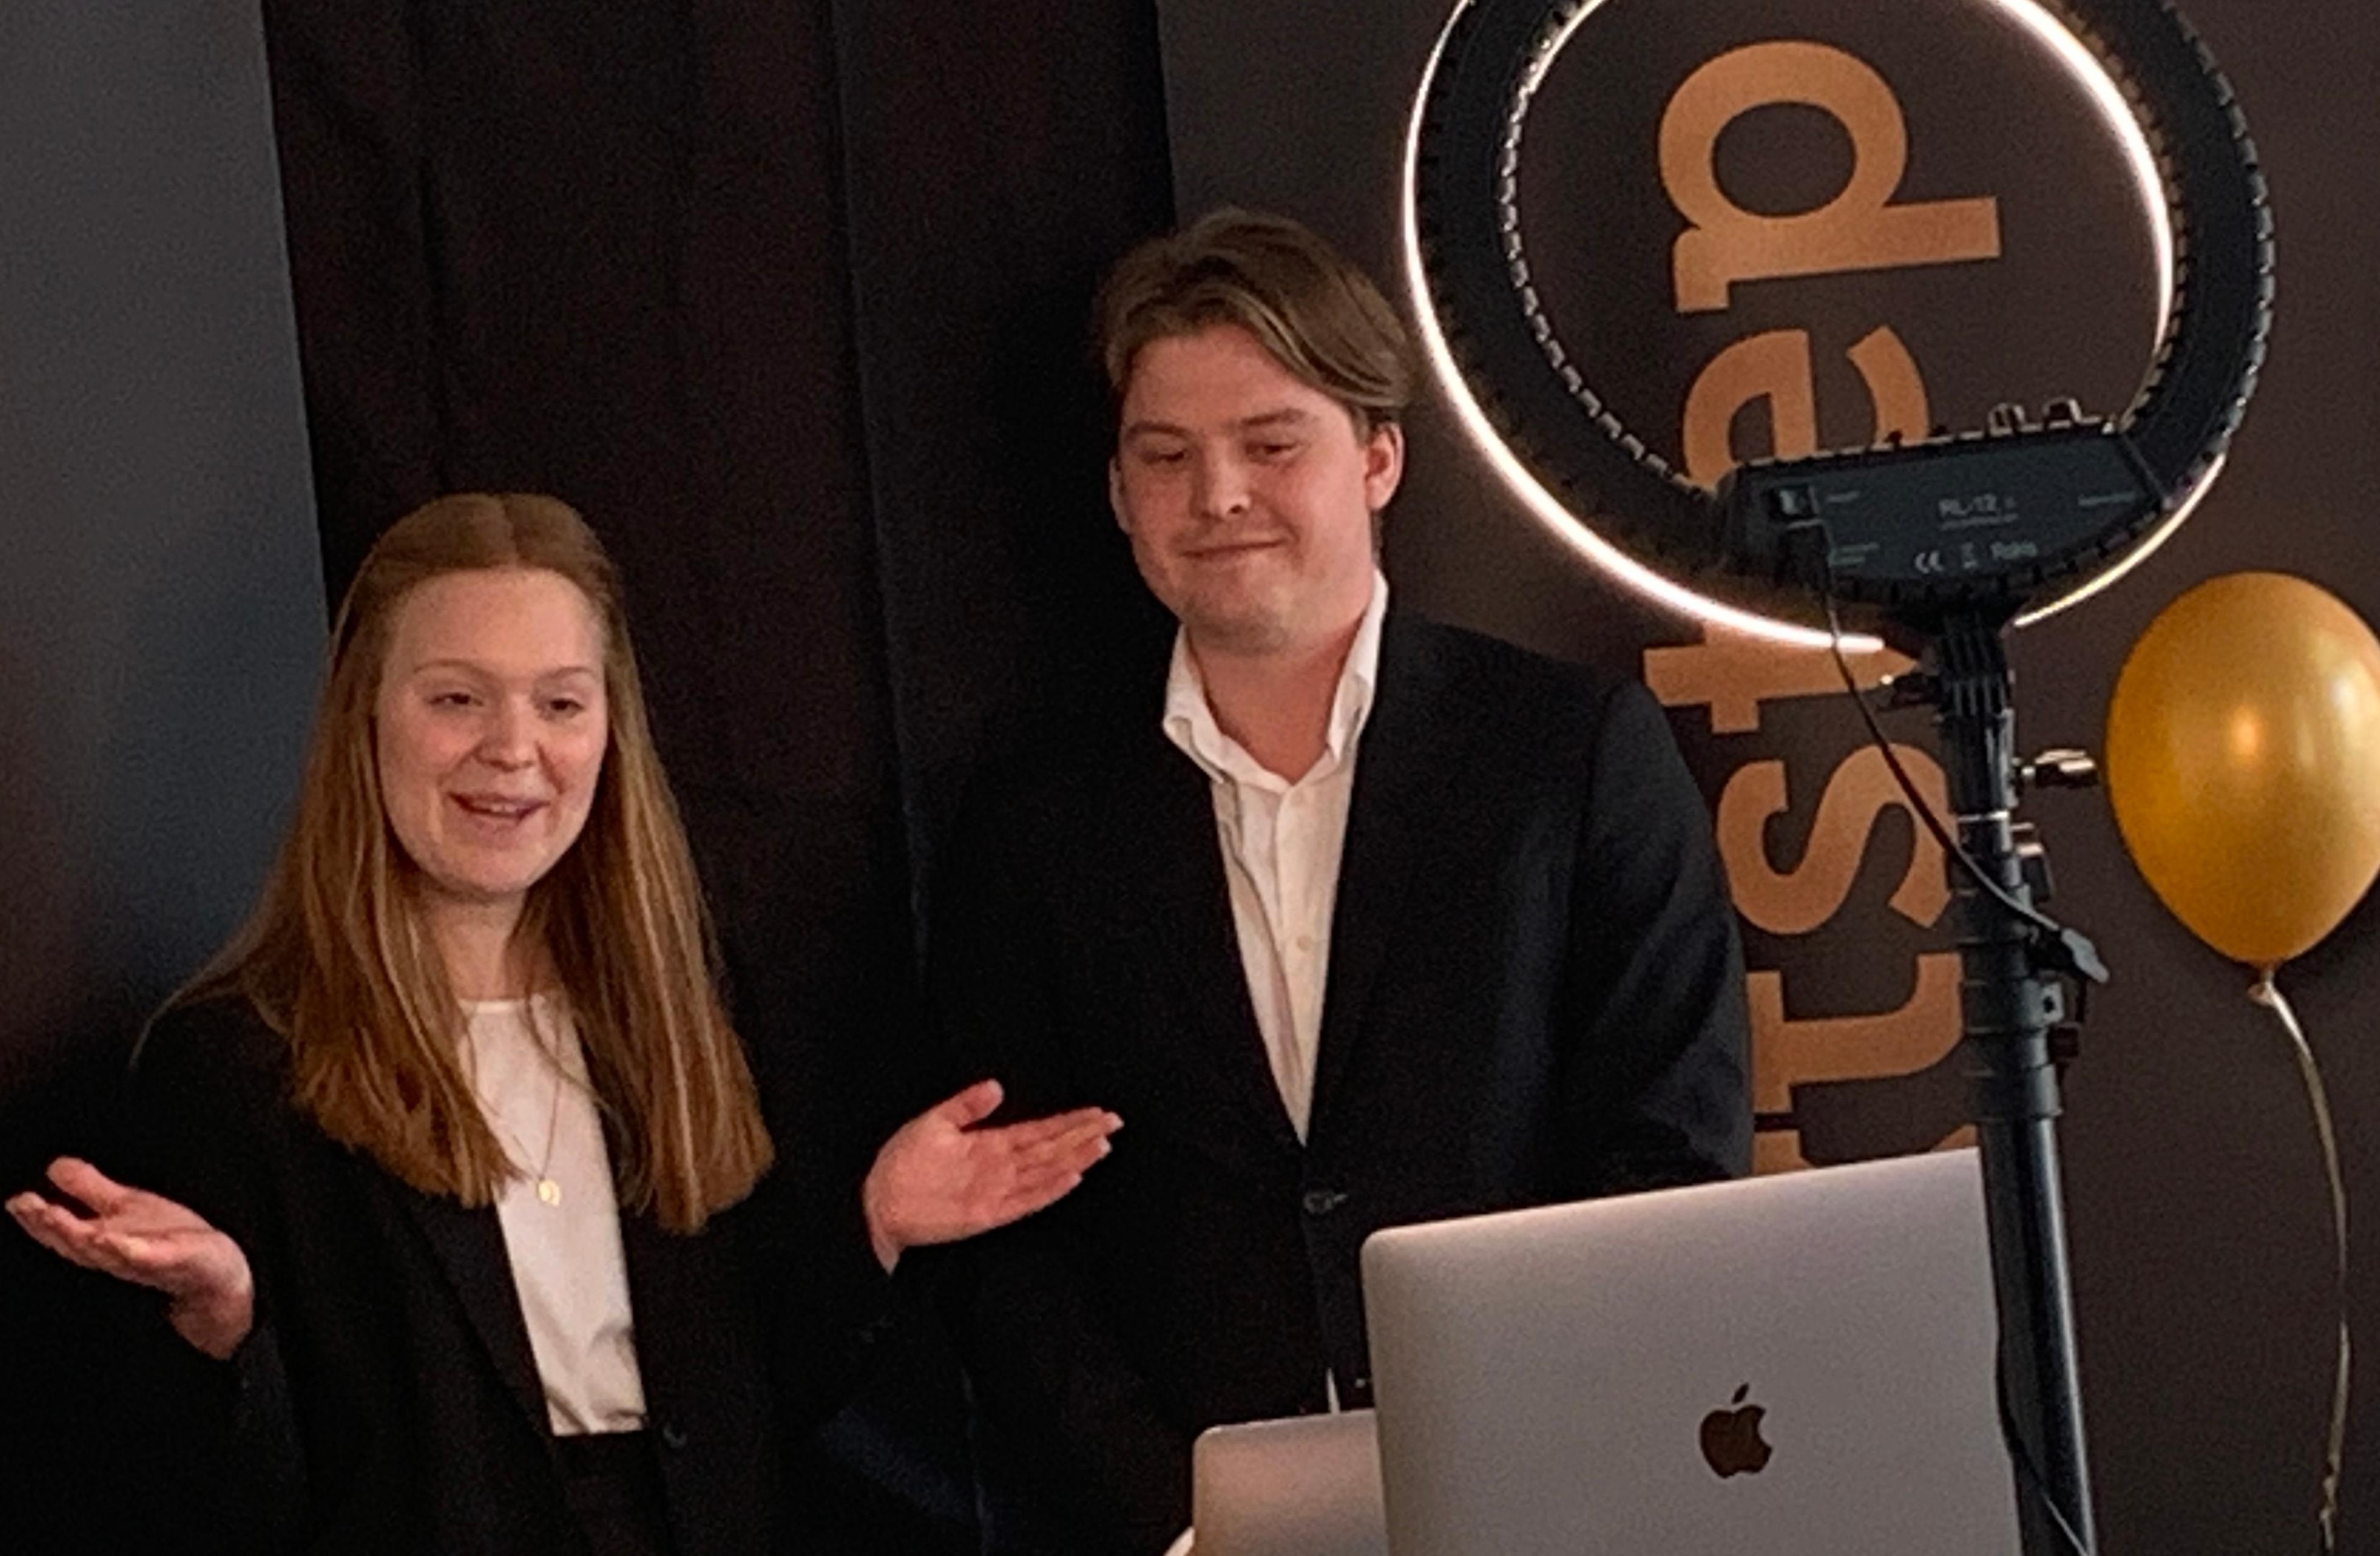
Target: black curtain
{"x":790,"y":300}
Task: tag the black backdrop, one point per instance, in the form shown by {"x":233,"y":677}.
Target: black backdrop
{"x":790,"y":300}
{"x":2198,"y":1209}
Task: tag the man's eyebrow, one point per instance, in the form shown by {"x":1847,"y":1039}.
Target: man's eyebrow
{"x":1287,"y":416}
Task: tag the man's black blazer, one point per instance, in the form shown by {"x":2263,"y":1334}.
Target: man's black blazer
{"x":1534,"y":993}
{"x":388,"y":1400}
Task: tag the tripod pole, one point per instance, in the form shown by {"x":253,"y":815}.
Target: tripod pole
{"x":2007,"y":1006}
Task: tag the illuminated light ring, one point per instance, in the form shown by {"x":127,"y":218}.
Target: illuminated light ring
{"x":1466,"y":268}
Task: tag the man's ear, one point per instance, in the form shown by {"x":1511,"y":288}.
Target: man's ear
{"x":1384,"y":464}
{"x":1115,"y":494}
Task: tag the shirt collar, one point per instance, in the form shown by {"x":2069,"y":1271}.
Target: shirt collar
{"x":1189,"y":721}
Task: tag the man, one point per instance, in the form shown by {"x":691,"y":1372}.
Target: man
{"x":1356,"y":919}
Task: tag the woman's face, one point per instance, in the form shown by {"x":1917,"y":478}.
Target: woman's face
{"x":490,"y":729}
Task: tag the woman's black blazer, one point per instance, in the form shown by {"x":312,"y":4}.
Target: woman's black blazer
{"x":387,"y":1399}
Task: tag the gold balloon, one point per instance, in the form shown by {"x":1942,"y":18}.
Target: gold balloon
{"x":2243,"y":759}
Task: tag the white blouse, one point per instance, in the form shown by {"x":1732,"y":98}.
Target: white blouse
{"x":561,"y":1223}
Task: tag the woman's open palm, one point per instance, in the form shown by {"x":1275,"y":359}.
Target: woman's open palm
{"x":153,"y":1240}
{"x":941,"y":1177}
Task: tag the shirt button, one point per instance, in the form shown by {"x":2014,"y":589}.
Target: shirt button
{"x":673,"y":1435}
{"x":1304,"y":944}
{"x":1322,"y":1201}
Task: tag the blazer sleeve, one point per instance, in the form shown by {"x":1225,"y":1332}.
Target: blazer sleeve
{"x":1658,"y":1084}
{"x":208,"y":1127}
{"x":826,"y":1304}
{"x":1077,"y":1455}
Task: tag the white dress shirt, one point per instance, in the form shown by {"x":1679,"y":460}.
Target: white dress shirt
{"x":568,"y":1268}
{"x":1281,"y":841}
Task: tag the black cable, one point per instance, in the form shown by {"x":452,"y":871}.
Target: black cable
{"x":2072,"y":951}
{"x":2026,"y":1471}
{"x":1942,"y":834}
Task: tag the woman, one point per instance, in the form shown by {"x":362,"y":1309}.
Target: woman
{"x":438,"y":1156}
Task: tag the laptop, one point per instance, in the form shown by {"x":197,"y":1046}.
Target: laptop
{"x":1797,"y":1366}
{"x":1308,"y":1486}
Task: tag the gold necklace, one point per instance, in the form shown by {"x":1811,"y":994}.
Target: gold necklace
{"x":549,"y":1191}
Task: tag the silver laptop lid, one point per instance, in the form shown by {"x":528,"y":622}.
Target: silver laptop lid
{"x":1800,"y":1365}
{"x":1309,"y":1486}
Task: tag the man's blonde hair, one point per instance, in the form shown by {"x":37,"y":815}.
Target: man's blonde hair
{"x":1317,"y":315}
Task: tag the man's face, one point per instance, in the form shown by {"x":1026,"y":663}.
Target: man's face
{"x":1248,"y":493}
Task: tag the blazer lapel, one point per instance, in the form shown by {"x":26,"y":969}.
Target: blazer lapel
{"x":1181,"y":899}
{"x":678,"y":1315}
{"x":469,"y":1246}
{"x":1403,"y":778}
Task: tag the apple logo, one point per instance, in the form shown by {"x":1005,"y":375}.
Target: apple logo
{"x":1731,"y":1440}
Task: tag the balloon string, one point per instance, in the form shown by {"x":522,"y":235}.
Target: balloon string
{"x":2268,"y":994}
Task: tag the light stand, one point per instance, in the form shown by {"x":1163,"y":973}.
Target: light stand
{"x":1938,"y":543}
{"x":2011,"y":997}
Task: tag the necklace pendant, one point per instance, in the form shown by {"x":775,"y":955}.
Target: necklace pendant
{"x":549,"y":1191}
